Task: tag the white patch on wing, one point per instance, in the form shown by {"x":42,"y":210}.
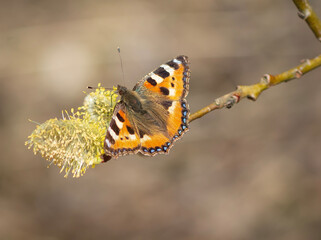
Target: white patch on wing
{"x":118,"y":123}
{"x":107,"y":142}
{"x":145,"y":138}
{"x":157,"y":78}
{"x":112,"y":133}
{"x":168,"y":69}
{"x":172,"y":92}
{"x":177,"y":61}
{"x":172,"y":108}
{"x":132,"y":137}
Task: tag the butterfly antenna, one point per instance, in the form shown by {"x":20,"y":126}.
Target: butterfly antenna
{"x":34,"y":122}
{"x":94,"y":88}
{"x":121,"y":64}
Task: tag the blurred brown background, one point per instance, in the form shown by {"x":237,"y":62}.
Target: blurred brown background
{"x":251,"y":172}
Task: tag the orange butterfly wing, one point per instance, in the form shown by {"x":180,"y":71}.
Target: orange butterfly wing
{"x":121,"y":138}
{"x":170,"y":79}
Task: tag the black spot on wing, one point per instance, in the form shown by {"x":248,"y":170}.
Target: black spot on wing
{"x":164,"y":90}
{"x":151,"y":81}
{"x":173,"y":64}
{"x":130,"y":130}
{"x":120,"y":118}
{"x":141,"y":133}
{"x":114,"y":127}
{"x":167,"y":104}
{"x":161,"y":72}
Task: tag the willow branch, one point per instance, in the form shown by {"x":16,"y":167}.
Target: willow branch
{"x":307,"y":13}
{"x":252,"y":92}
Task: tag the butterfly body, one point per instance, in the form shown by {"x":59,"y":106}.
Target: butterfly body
{"x":152,"y":116}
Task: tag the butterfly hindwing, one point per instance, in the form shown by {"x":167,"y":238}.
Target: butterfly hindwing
{"x":176,"y":127}
{"x":178,"y":117}
{"x":157,"y":143}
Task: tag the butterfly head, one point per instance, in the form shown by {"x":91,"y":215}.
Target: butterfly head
{"x":130,"y":98}
{"x":122,"y":90}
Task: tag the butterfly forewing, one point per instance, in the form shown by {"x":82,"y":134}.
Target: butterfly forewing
{"x":121,"y":138}
{"x":170,"y":80}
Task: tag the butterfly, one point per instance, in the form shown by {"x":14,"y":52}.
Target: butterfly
{"x":152,"y":116}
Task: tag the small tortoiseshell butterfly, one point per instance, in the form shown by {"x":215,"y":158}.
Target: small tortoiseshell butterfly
{"x":152,"y":116}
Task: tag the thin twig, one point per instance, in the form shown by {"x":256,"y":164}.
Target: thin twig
{"x":306,"y":12}
{"x":252,"y":92}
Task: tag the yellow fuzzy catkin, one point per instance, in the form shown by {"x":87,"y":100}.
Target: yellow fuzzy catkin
{"x":77,"y":141}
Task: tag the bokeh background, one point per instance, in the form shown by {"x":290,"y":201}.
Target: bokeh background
{"x":250,"y":172}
